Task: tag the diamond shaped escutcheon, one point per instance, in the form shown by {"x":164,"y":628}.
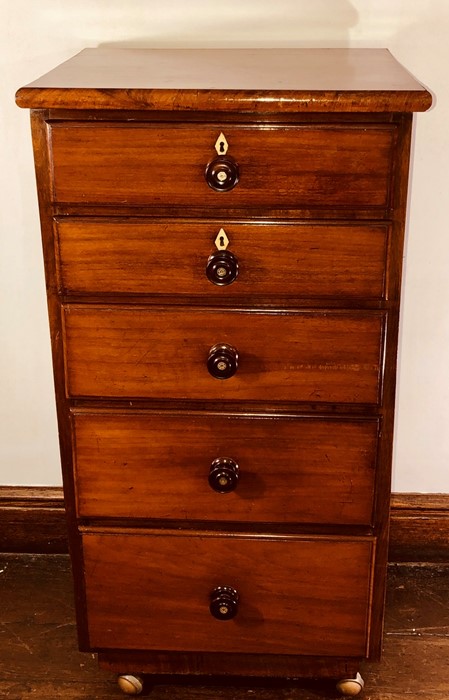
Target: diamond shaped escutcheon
{"x":222,"y":241}
{"x":221,"y":145}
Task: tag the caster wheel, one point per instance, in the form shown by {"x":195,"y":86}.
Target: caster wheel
{"x":351,"y":686}
{"x":130,"y":685}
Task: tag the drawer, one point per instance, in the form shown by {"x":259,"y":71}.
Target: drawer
{"x":146,"y":352}
{"x":280,"y":167}
{"x":225,"y":467}
{"x":168,"y":257}
{"x":296,"y":595}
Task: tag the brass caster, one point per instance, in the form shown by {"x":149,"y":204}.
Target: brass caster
{"x":351,"y":686}
{"x":130,"y":685}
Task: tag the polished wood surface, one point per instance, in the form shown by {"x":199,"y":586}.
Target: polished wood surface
{"x":39,"y":657}
{"x":291,"y":469}
{"x":225,"y":667}
{"x":33,"y":520}
{"x":297,"y":595}
{"x":43,"y":168}
{"x":280,"y":167}
{"x":265,"y":80}
{"x":168,"y":257}
{"x":322,"y":357}
{"x":330,"y":161}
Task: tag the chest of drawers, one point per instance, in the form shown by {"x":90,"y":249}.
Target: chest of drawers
{"x":222,"y":236}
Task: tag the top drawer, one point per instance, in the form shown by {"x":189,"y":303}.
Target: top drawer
{"x":280,"y":167}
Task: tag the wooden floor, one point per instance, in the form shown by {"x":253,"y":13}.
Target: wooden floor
{"x":39,"y":659}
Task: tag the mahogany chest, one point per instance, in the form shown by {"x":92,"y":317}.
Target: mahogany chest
{"x":223,"y":234}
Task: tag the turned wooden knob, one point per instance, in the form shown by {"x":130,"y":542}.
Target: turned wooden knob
{"x":222,"y":268}
{"x":224,"y":602}
{"x":222,"y":173}
{"x":223,"y":361}
{"x":223,"y":475}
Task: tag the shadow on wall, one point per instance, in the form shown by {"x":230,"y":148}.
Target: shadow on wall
{"x":286,"y":23}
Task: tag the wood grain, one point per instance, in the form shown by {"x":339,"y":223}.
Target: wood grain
{"x":221,"y":669}
{"x":104,"y":257}
{"x":318,"y":343}
{"x":419,"y":527}
{"x":280,"y":166}
{"x":43,"y":167}
{"x":32,"y":520}
{"x":137,"y":465}
{"x":162,"y":353}
{"x":256,"y":80}
{"x":298,"y":596}
{"x":383,"y":485}
{"x":40,"y":660}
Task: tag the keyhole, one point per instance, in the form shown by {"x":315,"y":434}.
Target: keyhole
{"x":221,"y":240}
{"x":222,"y":147}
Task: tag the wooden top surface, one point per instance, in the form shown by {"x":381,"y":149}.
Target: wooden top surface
{"x":264,"y":80}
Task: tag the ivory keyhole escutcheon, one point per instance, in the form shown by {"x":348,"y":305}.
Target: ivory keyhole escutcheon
{"x":221,"y":145}
{"x":221,"y":241}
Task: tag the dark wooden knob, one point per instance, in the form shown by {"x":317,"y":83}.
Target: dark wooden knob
{"x":222,"y":173}
{"x":223,"y":361}
{"x":224,"y":602}
{"x":222,"y":268}
{"x":223,"y":475}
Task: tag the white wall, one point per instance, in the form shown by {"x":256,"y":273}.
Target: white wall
{"x":35,"y":36}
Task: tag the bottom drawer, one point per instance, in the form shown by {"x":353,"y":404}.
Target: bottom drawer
{"x":296,"y":594}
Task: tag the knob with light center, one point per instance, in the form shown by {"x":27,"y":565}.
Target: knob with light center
{"x":222,"y":268}
{"x":223,"y":475}
{"x":222,"y":174}
{"x":222,"y":361}
{"x":224,"y":602}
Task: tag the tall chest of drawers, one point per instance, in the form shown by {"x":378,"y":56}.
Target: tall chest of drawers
{"x":223,"y":236}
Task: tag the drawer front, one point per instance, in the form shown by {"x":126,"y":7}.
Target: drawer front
{"x":286,"y":167}
{"x":163,"y":353}
{"x":173,"y":466}
{"x":168,"y":258}
{"x":295,"y":595}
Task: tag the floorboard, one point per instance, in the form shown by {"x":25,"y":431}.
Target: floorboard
{"x":39,"y":658}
